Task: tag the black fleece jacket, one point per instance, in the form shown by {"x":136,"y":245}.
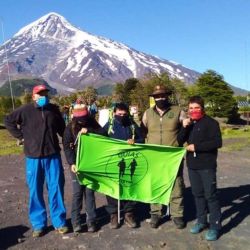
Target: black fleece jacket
{"x":38,"y":127}
{"x":206,"y":136}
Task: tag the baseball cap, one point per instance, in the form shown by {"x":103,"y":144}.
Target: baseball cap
{"x":39,"y":88}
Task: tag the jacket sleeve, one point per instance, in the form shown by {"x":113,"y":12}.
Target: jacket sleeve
{"x":68,"y":145}
{"x":60,"y":121}
{"x":96,"y":128}
{"x":13,"y":123}
{"x":138,"y":134}
{"x":214,"y":141}
{"x":144,"y":128}
{"x":106,"y":127}
{"x":183,"y":135}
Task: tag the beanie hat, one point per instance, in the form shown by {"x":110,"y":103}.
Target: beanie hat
{"x":79,"y":110}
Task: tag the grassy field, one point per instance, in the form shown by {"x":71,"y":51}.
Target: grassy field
{"x":8,"y":144}
{"x":233,"y":139}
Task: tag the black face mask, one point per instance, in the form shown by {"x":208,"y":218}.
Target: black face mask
{"x":162,"y":104}
{"x":82,"y":120}
{"x":124,"y":120}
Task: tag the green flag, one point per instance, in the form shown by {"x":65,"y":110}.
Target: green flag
{"x":139,"y":172}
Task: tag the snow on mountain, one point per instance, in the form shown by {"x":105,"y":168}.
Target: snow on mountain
{"x":69,"y":58}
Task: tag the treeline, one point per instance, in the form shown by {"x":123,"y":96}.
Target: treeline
{"x":219,"y":97}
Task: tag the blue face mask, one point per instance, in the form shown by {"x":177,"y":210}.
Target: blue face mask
{"x":42,"y":101}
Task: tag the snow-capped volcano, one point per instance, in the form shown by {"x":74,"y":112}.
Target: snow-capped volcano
{"x":69,"y":58}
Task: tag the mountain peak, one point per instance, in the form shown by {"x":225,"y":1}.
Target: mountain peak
{"x":69,"y":58}
{"x":49,"y":25}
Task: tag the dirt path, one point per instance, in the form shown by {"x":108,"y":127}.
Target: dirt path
{"x":234,"y":188}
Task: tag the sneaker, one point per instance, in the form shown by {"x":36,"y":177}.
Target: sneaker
{"x":179,"y":222}
{"x":212,"y":234}
{"x":38,"y":233}
{"x":77,"y":228}
{"x":155,"y":221}
{"x":130,"y":220}
{"x":92,"y":227}
{"x":62,"y":230}
{"x":197,"y":228}
{"x":114,"y":221}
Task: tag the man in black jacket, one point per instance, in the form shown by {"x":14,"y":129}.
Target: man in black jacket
{"x":37,"y":126}
{"x":203,"y":137}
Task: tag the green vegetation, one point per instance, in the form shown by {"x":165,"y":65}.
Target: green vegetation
{"x":22,"y":86}
{"x":235,"y":139}
{"x":243,"y":132}
{"x":218,"y":96}
{"x":8,"y":144}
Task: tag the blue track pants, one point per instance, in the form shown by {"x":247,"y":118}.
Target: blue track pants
{"x":49,"y":169}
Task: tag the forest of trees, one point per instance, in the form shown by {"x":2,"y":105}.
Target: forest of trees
{"x":219,"y":97}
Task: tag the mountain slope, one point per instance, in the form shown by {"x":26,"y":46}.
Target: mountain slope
{"x":69,"y":58}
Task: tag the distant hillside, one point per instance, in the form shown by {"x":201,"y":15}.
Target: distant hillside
{"x":105,"y":90}
{"x":19,"y":87}
{"x":238,"y":91}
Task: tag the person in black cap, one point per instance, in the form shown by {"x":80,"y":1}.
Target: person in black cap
{"x":161,"y":125}
{"x":37,"y":125}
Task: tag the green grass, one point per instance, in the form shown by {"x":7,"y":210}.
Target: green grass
{"x":236,"y":133}
{"x":235,"y":139}
{"x":8,"y":144}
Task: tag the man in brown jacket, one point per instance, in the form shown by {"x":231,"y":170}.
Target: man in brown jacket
{"x":161,"y":125}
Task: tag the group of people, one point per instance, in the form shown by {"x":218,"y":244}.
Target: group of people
{"x":38,"y":124}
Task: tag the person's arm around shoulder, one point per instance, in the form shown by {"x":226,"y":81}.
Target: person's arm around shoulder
{"x":138,"y":134}
{"x":144,"y":125}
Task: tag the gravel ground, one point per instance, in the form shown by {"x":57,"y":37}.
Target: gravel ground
{"x":234,"y":189}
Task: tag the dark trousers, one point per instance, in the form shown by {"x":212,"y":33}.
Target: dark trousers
{"x":204,"y":190}
{"x":80,"y":192}
{"x":112,"y":207}
{"x":176,"y":198}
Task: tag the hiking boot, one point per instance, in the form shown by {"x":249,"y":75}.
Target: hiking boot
{"x":130,"y":220}
{"x":92,"y":227}
{"x":38,"y":233}
{"x":114,"y":221}
{"x":155,"y":221}
{"x":212,"y":234}
{"x":197,"y":228}
{"x":62,"y":230}
{"x":179,"y":222}
{"x":77,"y":228}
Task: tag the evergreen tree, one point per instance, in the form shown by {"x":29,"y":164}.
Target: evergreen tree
{"x":217,"y":94}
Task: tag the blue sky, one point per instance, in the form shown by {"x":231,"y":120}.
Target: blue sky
{"x":199,"y":34}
